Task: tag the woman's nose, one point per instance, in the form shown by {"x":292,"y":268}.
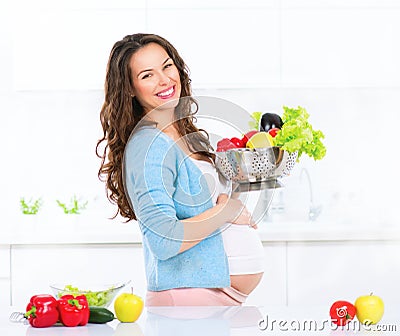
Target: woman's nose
{"x":164,"y":79}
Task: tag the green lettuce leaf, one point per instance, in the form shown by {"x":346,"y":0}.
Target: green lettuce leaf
{"x":255,"y":120}
{"x":298,"y":135}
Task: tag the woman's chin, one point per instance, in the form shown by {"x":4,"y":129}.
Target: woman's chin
{"x":168,"y":104}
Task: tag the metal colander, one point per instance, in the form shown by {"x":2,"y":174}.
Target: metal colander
{"x":249,"y":165}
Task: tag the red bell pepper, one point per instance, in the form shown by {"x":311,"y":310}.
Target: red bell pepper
{"x":42,"y":311}
{"x":74,"y":311}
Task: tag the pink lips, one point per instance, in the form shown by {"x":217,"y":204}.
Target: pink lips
{"x":168,"y":93}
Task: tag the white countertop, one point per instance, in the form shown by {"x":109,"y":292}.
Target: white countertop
{"x":96,"y":230}
{"x":209,"y":321}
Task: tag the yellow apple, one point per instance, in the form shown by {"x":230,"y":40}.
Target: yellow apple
{"x":370,"y":309}
{"x":128,"y":307}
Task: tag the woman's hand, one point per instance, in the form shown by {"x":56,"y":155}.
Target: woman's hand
{"x":236,"y":209}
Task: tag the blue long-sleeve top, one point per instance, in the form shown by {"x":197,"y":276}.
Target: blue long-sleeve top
{"x":165,"y":187}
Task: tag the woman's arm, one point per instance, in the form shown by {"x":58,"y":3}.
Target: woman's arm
{"x":227,"y":210}
{"x":150,"y":174}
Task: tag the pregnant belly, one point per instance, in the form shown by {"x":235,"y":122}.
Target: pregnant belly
{"x":246,"y":283}
{"x":244,"y":250}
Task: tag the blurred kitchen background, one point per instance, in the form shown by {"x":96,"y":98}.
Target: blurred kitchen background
{"x":338,"y":59}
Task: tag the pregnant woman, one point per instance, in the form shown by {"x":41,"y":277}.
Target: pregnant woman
{"x":199,"y":244}
{"x":242,"y":244}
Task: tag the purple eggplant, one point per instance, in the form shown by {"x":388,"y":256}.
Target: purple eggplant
{"x":270,"y":120}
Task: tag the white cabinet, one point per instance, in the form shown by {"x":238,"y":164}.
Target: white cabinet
{"x":226,"y":46}
{"x":318,"y":273}
{"x":5,"y":291}
{"x":316,"y":51}
{"x":272,"y":288}
{"x":35,"y":267}
{"x":85,"y":37}
{"x":323,"y":272}
{"x":4,"y":274}
{"x":4,"y":261}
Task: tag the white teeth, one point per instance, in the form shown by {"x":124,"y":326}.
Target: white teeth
{"x":166,"y":93}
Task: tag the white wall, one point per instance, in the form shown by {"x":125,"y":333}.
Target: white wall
{"x":339,"y":59}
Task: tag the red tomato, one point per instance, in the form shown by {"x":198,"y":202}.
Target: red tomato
{"x":237,"y":142}
{"x":247,"y":136}
{"x":342,"y":312}
{"x":273,"y":132}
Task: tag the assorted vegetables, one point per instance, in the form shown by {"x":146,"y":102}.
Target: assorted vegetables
{"x":292,"y":132}
{"x":225,"y":143}
{"x":44,"y":311}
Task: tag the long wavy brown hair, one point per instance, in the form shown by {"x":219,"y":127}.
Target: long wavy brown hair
{"x":121,"y":113}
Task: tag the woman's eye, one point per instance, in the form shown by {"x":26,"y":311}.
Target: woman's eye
{"x":146,"y":76}
{"x":168,"y":65}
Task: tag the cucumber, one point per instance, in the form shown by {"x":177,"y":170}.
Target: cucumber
{"x":100,"y":315}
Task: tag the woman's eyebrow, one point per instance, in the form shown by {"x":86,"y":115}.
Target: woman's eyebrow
{"x":152,"y":69}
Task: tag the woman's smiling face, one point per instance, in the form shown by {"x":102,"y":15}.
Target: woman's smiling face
{"x":155,"y":77}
